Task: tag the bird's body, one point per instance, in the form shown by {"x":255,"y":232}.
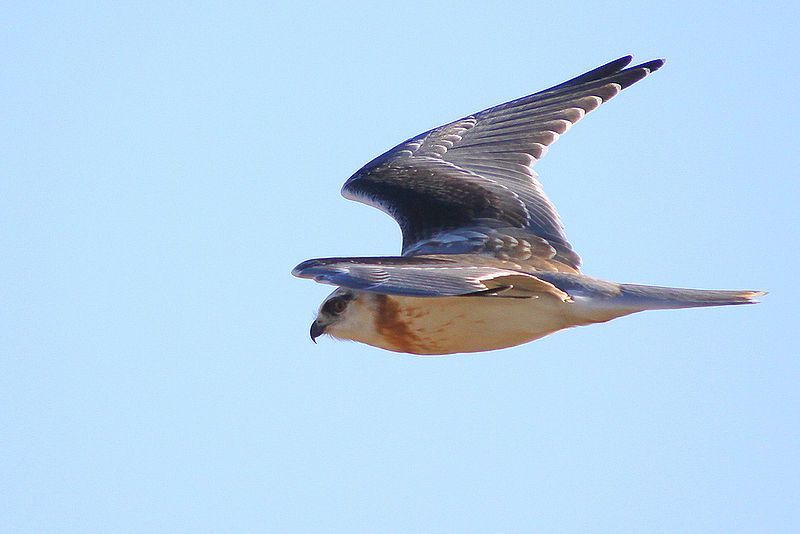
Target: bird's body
{"x":446,"y":325}
{"x":433,"y":326}
{"x":486,"y":263}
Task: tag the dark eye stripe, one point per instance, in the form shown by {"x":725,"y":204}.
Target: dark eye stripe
{"x":336,"y":305}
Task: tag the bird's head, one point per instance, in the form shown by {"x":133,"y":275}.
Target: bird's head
{"x":338,"y":315}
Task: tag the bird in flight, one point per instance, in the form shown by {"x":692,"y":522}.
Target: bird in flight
{"x":485,"y":262}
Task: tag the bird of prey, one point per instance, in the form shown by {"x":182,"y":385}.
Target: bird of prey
{"x":485,"y":262}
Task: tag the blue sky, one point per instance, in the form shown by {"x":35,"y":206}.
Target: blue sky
{"x":165,"y":166}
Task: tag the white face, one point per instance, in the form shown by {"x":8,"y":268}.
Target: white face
{"x":347,"y":314}
{"x":332,"y":312}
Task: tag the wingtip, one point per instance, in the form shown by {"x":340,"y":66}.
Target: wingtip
{"x":652,"y":65}
{"x":627,"y":77}
{"x":300,"y":267}
{"x":318,"y":269}
{"x":622,"y":62}
{"x":616,"y":71}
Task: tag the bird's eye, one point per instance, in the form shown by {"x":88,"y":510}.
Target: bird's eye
{"x":336,"y":306}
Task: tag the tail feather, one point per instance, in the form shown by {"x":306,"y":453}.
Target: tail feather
{"x":659,"y":298}
{"x":613,"y":300}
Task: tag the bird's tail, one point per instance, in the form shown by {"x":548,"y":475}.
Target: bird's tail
{"x":598,"y":300}
{"x":662,"y":298}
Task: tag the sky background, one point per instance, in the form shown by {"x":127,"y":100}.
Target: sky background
{"x":163,"y":167}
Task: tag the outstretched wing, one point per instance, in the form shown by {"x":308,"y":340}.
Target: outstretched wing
{"x":466,"y":186}
{"x":420,"y":276}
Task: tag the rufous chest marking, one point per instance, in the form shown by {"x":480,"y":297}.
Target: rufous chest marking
{"x":392,"y":323}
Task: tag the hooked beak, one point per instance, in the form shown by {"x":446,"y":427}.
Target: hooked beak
{"x":317,"y":329}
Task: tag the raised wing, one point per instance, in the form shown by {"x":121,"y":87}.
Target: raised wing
{"x":421,"y":276}
{"x":461,"y":188}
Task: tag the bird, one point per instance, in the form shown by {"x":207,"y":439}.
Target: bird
{"x":485,"y":261}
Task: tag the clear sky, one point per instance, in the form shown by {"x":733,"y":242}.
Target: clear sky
{"x":163,"y":167}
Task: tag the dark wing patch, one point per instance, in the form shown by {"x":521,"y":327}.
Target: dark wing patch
{"x":423,"y":277}
{"x":479,"y":167}
{"x":425,"y":195}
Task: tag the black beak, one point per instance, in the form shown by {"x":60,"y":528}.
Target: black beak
{"x":316,"y":330}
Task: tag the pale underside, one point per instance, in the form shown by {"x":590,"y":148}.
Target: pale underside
{"x":447,"y":325}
